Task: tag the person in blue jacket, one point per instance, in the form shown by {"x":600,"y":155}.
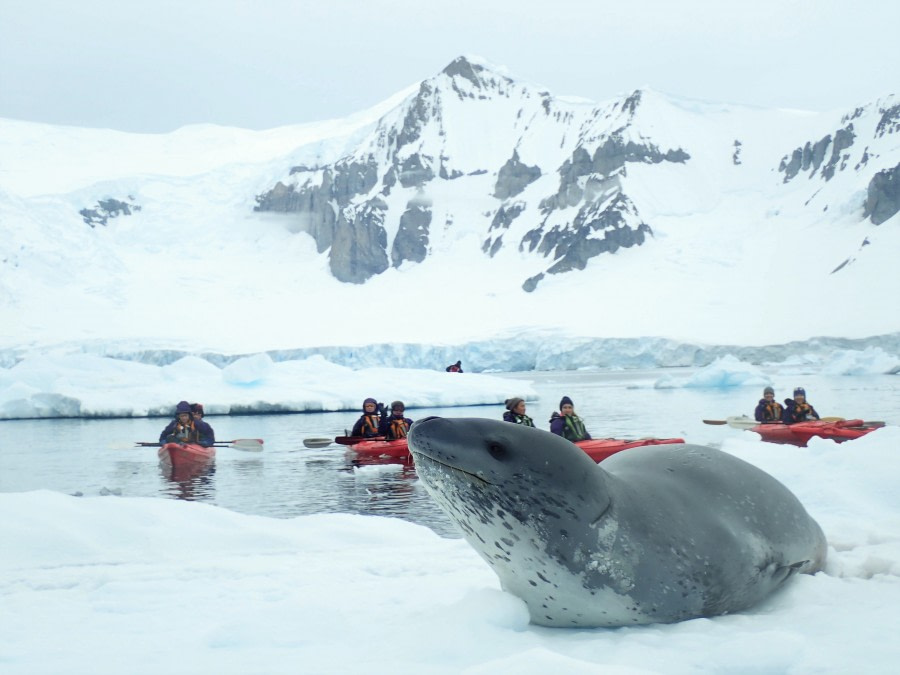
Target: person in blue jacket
{"x":368,"y":423}
{"x":567,"y":424}
{"x":207,"y":435}
{"x":797,"y":409}
{"x":768,"y":410}
{"x":182,"y":429}
{"x":515,"y":412}
{"x":395,"y":425}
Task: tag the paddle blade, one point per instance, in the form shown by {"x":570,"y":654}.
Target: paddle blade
{"x":317,"y":442}
{"x":247,"y":444}
{"x":715,"y":422}
{"x":741,"y":422}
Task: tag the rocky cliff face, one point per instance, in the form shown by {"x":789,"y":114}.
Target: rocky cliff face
{"x":555,"y":174}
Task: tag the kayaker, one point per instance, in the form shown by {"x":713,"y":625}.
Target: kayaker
{"x":769,"y":410}
{"x":207,"y":435}
{"x":515,"y":412}
{"x":567,"y":424}
{"x":395,"y":425}
{"x":797,"y":409}
{"x":367,"y":424}
{"x":182,"y":428}
{"x":454,"y":368}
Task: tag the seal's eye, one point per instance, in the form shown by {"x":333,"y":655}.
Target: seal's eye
{"x":497,"y":451}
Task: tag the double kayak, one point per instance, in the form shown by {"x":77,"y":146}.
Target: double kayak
{"x":599,"y":449}
{"x":379,"y":448}
{"x":800,"y":432}
{"x":185,"y":455}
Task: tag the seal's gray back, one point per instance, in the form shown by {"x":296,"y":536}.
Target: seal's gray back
{"x":716,"y":533}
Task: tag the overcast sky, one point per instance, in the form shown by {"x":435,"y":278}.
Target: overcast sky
{"x":156,"y":65}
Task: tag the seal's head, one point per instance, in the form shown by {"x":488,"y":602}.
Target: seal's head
{"x":523,"y":463}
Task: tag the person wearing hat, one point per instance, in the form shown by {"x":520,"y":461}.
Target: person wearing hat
{"x":207,"y":435}
{"x":182,"y":428}
{"x":367,"y":424}
{"x":797,"y":409}
{"x":567,"y":424}
{"x":454,"y":367}
{"x":395,"y":425}
{"x":769,"y":410}
{"x":515,"y":412}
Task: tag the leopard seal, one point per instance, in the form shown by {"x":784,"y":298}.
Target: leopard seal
{"x":655,"y":534}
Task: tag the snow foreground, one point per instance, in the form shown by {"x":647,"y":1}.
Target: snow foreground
{"x":117,"y":382}
{"x":111,"y":585}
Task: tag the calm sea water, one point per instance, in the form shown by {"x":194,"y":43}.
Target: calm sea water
{"x":96,"y":457}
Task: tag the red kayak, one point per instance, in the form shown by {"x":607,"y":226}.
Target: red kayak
{"x":599,"y":449}
{"x":187,"y":455}
{"x":801,"y":432}
{"x":397,"y":449}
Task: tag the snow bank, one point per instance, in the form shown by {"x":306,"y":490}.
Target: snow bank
{"x":84,"y":385}
{"x":871,"y":361}
{"x":727,"y":371}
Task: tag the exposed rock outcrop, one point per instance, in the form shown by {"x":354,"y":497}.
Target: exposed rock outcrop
{"x":108,"y":208}
{"x":883,"y":196}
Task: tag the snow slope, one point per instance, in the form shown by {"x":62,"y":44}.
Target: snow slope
{"x":737,"y":255}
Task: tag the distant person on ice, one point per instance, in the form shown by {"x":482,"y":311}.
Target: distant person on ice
{"x":797,"y":409}
{"x":567,"y":424}
{"x":515,"y":412}
{"x":207,"y":435}
{"x":367,"y":424}
{"x":455,"y":368}
{"x":182,"y":428}
{"x":768,"y":410}
{"x":395,"y":425}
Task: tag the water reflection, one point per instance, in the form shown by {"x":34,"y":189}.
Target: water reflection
{"x":192,"y":482}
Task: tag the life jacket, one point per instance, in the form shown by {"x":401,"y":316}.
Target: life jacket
{"x":573,"y":428}
{"x":370,"y":425}
{"x":453,"y":369}
{"x":772,"y":412}
{"x":524,"y":420}
{"x":801,"y":412}
{"x":185,"y":433}
{"x":398,"y":428}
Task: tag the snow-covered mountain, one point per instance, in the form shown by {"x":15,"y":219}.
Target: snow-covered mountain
{"x":469,"y":206}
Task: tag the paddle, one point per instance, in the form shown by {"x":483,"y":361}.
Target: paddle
{"x":736,"y":422}
{"x":317,"y":442}
{"x":350,"y":440}
{"x":246,"y":444}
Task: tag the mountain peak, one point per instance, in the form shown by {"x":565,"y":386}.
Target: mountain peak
{"x":475,"y":69}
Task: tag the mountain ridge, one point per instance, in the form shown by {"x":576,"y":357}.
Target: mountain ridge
{"x":643,"y":215}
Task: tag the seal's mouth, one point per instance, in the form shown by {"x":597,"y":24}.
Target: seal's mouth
{"x":423,"y":459}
